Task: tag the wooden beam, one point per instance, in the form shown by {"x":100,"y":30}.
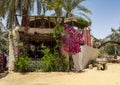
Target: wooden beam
{"x":39,"y":16}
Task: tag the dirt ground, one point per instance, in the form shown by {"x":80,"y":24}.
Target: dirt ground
{"x":111,"y":76}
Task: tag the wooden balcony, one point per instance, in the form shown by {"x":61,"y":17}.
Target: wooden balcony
{"x":40,"y":21}
{"x":38,"y":28}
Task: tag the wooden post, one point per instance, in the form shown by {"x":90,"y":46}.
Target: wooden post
{"x":49,"y":22}
{"x":62,"y":20}
{"x":35,"y":22}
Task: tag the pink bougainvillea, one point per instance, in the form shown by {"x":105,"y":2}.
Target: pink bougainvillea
{"x":72,"y":40}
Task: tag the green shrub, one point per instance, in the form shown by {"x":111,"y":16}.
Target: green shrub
{"x":110,"y":49}
{"x":34,"y":65}
{"x":22,"y":63}
{"x":53,"y":61}
{"x":48,"y":60}
{"x":62,"y":64}
{"x":26,"y":64}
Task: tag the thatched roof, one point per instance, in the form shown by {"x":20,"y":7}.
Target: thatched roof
{"x":74,"y":22}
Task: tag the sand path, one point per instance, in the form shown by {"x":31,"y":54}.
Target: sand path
{"x":111,"y":76}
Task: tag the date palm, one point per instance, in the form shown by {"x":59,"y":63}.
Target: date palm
{"x":3,"y":38}
{"x":71,"y":5}
{"x":9,"y":8}
{"x":12,"y":7}
{"x":55,"y":5}
{"x":67,"y":8}
{"x":115,"y":36}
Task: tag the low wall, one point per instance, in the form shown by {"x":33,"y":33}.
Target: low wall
{"x":89,"y":53}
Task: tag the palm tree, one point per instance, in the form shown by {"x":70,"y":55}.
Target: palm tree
{"x":67,"y":5}
{"x":115,"y":36}
{"x":55,"y":5}
{"x":9,"y":8}
{"x":71,"y":5}
{"x":41,"y":7}
{"x":3,"y":38}
{"x":3,"y":44}
{"x":110,"y":44}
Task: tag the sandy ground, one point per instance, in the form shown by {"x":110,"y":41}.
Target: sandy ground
{"x":111,"y":76}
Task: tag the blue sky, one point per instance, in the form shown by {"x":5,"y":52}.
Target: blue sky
{"x":105,"y":15}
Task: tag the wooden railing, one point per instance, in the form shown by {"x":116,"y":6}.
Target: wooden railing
{"x":40,"y":21}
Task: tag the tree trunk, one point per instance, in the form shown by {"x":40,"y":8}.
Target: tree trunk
{"x":115,"y":55}
{"x":24,"y":14}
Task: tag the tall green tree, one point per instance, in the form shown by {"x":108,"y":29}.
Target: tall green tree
{"x":55,"y":5}
{"x":3,"y":39}
{"x":67,"y":7}
{"x":12,"y":7}
{"x":111,"y":43}
{"x":75,"y":5}
{"x":9,"y":8}
{"x":41,"y":7}
{"x":115,"y":36}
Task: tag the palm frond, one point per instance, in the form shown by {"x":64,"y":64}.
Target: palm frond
{"x":84,"y":9}
{"x":76,"y":3}
{"x":80,"y":14}
{"x":114,"y":36}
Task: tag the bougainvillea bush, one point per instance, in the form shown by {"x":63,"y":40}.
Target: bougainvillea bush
{"x":71,"y":40}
